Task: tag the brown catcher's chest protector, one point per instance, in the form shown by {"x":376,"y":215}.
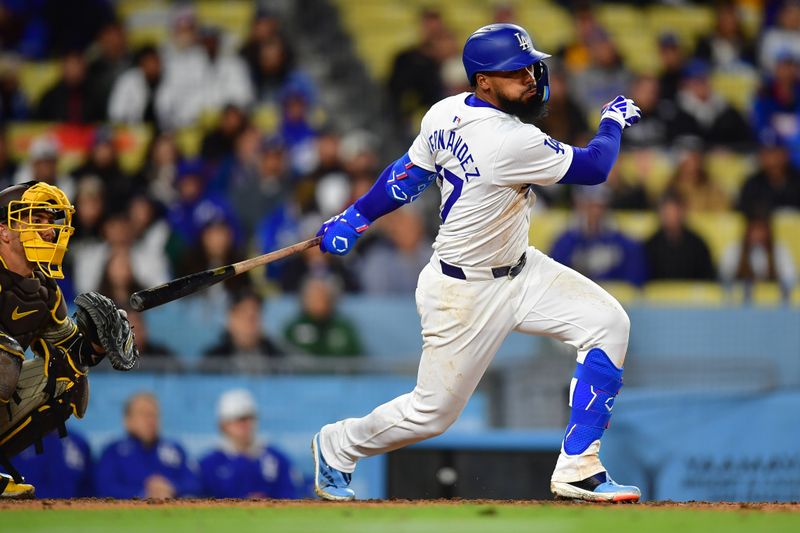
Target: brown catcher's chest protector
{"x":27,"y":305}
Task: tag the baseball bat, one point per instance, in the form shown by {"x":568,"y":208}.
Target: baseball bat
{"x":180,"y":287}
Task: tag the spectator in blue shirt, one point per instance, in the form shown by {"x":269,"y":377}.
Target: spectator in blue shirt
{"x":243,"y":467}
{"x":62,"y":470}
{"x":142,"y":464}
{"x":594,"y":247}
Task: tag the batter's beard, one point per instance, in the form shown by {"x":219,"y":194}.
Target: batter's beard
{"x":527,"y":112}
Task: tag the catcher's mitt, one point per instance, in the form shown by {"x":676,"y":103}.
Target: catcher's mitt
{"x":102,"y":323}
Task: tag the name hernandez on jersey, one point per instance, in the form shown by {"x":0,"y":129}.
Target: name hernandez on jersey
{"x":486,"y":161}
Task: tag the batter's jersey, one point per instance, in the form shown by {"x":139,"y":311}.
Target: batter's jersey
{"x":486,"y":160}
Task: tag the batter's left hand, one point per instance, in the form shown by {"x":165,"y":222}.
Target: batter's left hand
{"x":621,"y":110}
{"x":340,"y":233}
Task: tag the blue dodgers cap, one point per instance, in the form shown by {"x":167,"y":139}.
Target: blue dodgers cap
{"x":697,"y":68}
{"x":668,"y":39}
{"x":499,"y":48}
{"x":191,"y":167}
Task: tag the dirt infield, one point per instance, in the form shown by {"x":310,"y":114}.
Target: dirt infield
{"x":111,"y":503}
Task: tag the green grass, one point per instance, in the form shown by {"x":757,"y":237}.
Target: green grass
{"x":464,"y":518}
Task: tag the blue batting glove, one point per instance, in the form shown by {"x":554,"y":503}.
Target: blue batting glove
{"x":340,"y":233}
{"x":622,"y":111}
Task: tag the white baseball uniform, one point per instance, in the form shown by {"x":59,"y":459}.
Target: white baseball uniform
{"x":486,"y":160}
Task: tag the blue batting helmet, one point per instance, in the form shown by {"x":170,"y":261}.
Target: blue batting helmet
{"x":503,"y":47}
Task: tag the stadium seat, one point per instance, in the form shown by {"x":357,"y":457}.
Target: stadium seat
{"x":719,"y":230}
{"x":639,"y":225}
{"x":139,"y":36}
{"x":266,"y":118}
{"x":132,"y":143}
{"x":189,"y":140}
{"x":36,"y":77}
{"x":74,"y":141}
{"x":625,"y":293}
{"x":654,"y":165}
{"x":620,"y":18}
{"x":550,"y":26}
{"x":131,"y":8}
{"x":379,"y":31}
{"x":683,"y":293}
{"x":767,"y":294}
{"x":738,"y":88}
{"x":546,"y":226}
{"x":465,"y":21}
{"x":687,"y":22}
{"x":232,"y":16}
{"x":760,"y":294}
{"x":638,"y":47}
{"x":786,"y":226}
{"x":729,"y":170}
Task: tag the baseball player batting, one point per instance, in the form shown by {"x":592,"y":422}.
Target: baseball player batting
{"x":483,"y":280}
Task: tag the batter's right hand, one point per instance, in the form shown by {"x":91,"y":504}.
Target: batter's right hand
{"x":340,"y":233}
{"x":621,"y":110}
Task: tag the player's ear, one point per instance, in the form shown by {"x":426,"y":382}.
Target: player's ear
{"x":482,"y":82}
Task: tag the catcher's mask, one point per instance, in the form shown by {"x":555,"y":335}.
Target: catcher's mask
{"x":33,"y":209}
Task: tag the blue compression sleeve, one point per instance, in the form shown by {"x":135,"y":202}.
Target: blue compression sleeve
{"x":591,"y":165}
{"x":375,"y":203}
{"x":399,"y":183}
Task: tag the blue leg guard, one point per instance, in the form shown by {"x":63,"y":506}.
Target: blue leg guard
{"x":598,"y":382}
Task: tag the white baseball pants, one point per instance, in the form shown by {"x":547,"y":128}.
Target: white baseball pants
{"x":463,"y":326}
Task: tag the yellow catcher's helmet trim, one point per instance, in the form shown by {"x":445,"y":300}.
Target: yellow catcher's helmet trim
{"x":47,"y":255}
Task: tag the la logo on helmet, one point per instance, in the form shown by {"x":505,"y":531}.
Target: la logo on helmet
{"x":524,"y":42}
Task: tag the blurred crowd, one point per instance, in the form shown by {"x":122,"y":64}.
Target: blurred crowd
{"x":685,"y":120}
{"x":143,"y":463}
{"x":255,"y":184}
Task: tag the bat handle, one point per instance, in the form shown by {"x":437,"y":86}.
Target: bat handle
{"x":138,"y":301}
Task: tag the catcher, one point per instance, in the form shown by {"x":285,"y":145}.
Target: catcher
{"x":38,"y":395}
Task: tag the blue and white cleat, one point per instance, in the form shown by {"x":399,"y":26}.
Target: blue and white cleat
{"x":329,"y":483}
{"x":597,"y":488}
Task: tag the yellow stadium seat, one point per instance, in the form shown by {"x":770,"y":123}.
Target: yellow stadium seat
{"x":761,"y":294}
{"x":36,"y":77}
{"x":729,"y":170}
{"x":465,"y":21}
{"x":189,"y":140}
{"x":652,"y":167}
{"x":752,"y":14}
{"x":132,"y":143}
{"x":796,"y":296}
{"x":266,"y":118}
{"x":786,"y":226}
{"x":20,"y":135}
{"x":682,"y":293}
{"x":546,"y":226}
{"x":687,"y":22}
{"x":232,"y":16}
{"x":719,"y":230}
{"x":767,"y":294}
{"x":639,"y":225}
{"x":127,"y":8}
{"x":620,"y":18}
{"x":625,"y":293}
{"x":638,"y":49}
{"x":155,"y":35}
{"x":550,"y":26}
{"x":738,"y":88}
